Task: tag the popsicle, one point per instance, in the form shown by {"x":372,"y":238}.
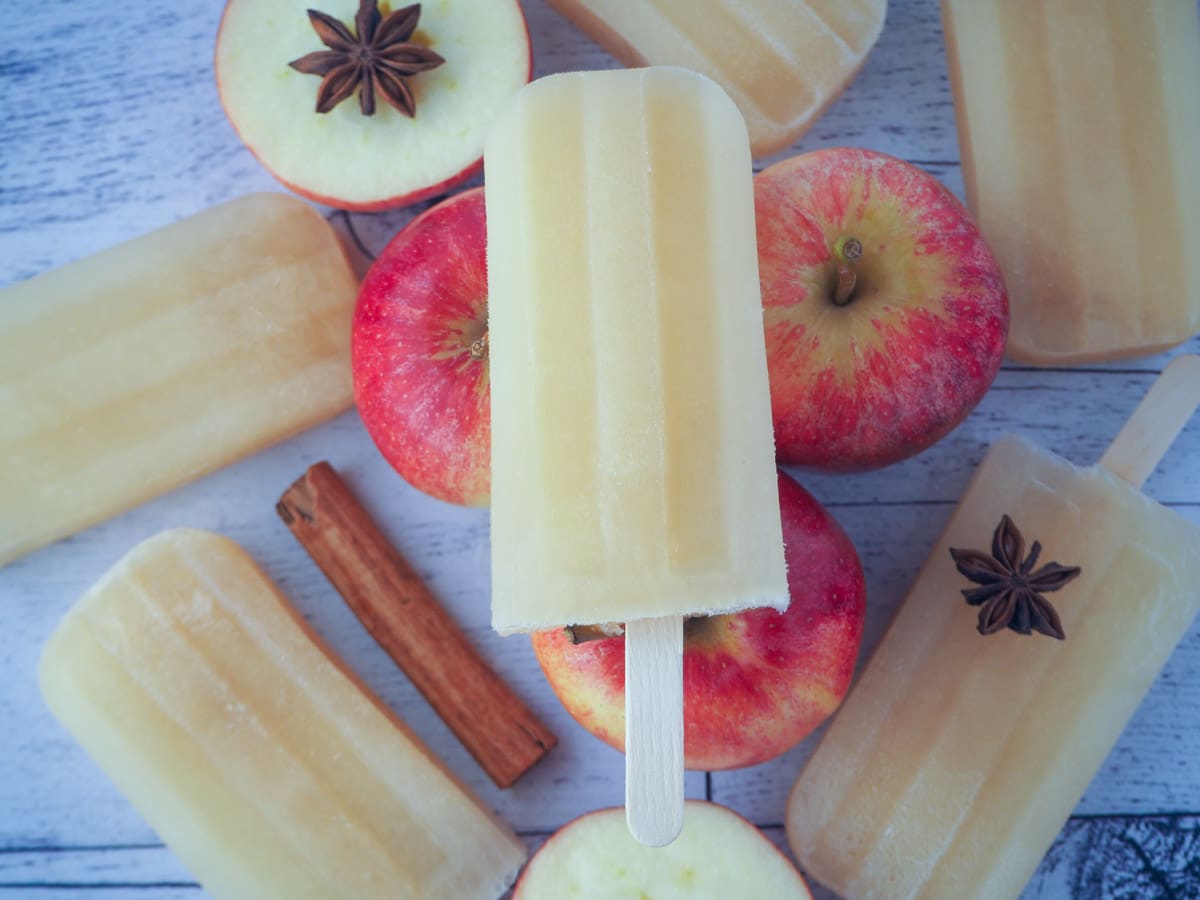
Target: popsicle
{"x":1079,"y":133}
{"x":633,"y":475}
{"x":956,"y":758}
{"x":259,"y":758}
{"x":134,"y":371}
{"x":782,"y":61}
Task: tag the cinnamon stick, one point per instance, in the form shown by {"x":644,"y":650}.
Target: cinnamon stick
{"x":379,"y":585}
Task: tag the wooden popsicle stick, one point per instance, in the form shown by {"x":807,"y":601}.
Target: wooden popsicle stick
{"x":654,"y":729}
{"x":1172,"y":399}
{"x":389,"y":598}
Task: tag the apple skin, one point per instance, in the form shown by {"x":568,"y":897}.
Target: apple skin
{"x":755,"y":683}
{"x":428,"y":193}
{"x":421,"y":394}
{"x":864,"y":385}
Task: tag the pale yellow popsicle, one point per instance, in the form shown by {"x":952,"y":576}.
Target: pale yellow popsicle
{"x":1080,"y":139}
{"x":956,"y":758}
{"x":782,"y":61}
{"x":257,"y":756}
{"x":134,"y":371}
{"x":632,"y":453}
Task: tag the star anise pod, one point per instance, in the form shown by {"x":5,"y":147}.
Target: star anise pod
{"x":1011,"y":592}
{"x":378,"y":57}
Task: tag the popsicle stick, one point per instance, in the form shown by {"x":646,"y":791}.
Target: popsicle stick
{"x":654,"y":729}
{"x":1172,"y":399}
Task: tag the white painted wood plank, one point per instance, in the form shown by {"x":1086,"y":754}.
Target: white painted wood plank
{"x":1105,"y":858}
{"x":104,"y":890}
{"x":1073,"y":413}
{"x":1108,"y":858}
{"x":112,"y":127}
{"x":111,"y":872}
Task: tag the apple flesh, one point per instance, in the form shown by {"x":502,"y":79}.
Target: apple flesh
{"x":880,"y":373}
{"x":419,"y":352}
{"x":368,"y":163}
{"x":718,"y":854}
{"x":755,"y":683}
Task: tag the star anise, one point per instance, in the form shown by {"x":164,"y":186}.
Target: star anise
{"x":1011,"y":592}
{"x":377,"y":58}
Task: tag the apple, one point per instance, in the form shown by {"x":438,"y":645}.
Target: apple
{"x":871,"y":359}
{"x":718,"y":854}
{"x":353,"y":161}
{"x":755,"y":683}
{"x":419,"y":352}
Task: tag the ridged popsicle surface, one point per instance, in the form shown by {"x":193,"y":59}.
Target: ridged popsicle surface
{"x":134,"y":371}
{"x":256,"y":755}
{"x":632,"y":451}
{"x":956,"y":758}
{"x":1080,"y":134}
{"x":782,"y":61}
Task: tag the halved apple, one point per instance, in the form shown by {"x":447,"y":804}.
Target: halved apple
{"x":719,"y":855}
{"x":343,"y":158}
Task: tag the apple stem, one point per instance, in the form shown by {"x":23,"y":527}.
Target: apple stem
{"x":479,"y":347}
{"x":846,"y":252}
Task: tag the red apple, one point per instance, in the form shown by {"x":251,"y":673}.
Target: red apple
{"x":879,"y":369}
{"x":419,"y":352}
{"x":756,"y":682}
{"x":718,"y":854}
{"x":341,"y":157}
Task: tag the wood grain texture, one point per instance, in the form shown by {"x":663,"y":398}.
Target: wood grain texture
{"x":1104,"y":858}
{"x":111,"y":126}
{"x":654,"y":729}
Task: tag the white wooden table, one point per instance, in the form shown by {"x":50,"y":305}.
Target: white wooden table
{"x":110,"y":126}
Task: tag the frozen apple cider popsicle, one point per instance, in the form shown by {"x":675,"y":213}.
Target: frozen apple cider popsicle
{"x":956,"y":758}
{"x":633,"y":475}
{"x":134,"y":371}
{"x":253,"y":751}
{"x":1080,"y":133}
{"x":782,"y":61}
